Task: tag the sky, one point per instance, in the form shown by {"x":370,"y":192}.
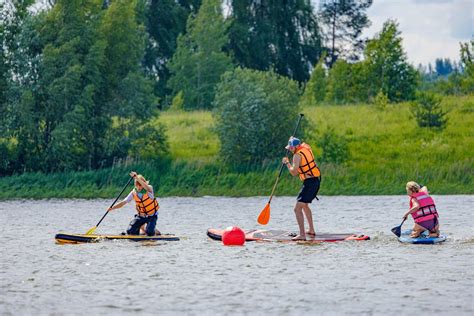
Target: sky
{"x":430,"y":28}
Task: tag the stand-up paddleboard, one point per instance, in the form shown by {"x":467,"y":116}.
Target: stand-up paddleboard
{"x":82,"y":238}
{"x":286,"y":236}
{"x":423,"y":239}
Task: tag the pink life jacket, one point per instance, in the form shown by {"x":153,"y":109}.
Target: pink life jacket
{"x":427,"y":209}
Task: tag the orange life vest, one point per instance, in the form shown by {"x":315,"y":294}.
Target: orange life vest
{"x":307,"y":165}
{"x":146,"y":206}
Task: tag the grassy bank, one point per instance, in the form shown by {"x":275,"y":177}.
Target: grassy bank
{"x":387,"y":150}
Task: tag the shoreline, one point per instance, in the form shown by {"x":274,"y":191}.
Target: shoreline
{"x":219,"y":196}
{"x":178,"y":179}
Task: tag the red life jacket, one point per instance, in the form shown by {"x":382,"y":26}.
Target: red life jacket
{"x":427,"y":209}
{"x":146,"y":206}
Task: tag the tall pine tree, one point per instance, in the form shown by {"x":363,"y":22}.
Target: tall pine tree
{"x":343,"y":22}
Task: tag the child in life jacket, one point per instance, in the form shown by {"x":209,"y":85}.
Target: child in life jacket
{"x":145,"y":203}
{"x":422,"y":209}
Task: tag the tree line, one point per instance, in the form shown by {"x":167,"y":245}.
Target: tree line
{"x":82,"y":81}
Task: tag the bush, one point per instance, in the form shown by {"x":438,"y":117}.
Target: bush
{"x":255,"y":113}
{"x":8,"y":155}
{"x":381,"y":101}
{"x":178,"y":102}
{"x":427,"y":111}
{"x":148,"y":142}
{"x":335,"y":147}
{"x":346,"y":83}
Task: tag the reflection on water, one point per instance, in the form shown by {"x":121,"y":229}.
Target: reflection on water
{"x":200,"y":276}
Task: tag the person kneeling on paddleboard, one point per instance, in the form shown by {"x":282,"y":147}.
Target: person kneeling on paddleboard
{"x":423,"y":210}
{"x":146,"y":204}
{"x":305,"y":166}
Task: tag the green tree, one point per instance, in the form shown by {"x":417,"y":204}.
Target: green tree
{"x":443,"y":67}
{"x":343,"y":22}
{"x":4,"y":80}
{"x":148,"y":142}
{"x":346,"y":82}
{"x":387,"y":65}
{"x":77,"y":72}
{"x":381,"y":101}
{"x":279,"y":35}
{"x":199,"y":60}
{"x":177,"y":103}
{"x":125,"y":40}
{"x":69,"y":33}
{"x":467,"y":62}
{"x":122,"y":91}
{"x":12,"y":19}
{"x":255,"y":111}
{"x":315,"y":90}
{"x":20,"y":118}
{"x":428,"y":111}
{"x":165,"y":20}
{"x":28,"y":144}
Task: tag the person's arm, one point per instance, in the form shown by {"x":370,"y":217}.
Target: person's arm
{"x":123,"y":202}
{"x":118,"y":205}
{"x":293,"y":169}
{"x":151,"y":193}
{"x":414,"y":208}
{"x":145,"y":185}
{"x":424,"y":189}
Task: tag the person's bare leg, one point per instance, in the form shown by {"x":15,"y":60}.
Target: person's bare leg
{"x":309,"y":218}
{"x":435,"y":232}
{"x":417,"y":230}
{"x":300,"y":220}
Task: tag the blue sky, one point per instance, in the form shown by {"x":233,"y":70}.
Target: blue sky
{"x":430,"y":28}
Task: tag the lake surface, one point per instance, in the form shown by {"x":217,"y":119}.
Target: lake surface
{"x":197,"y":276}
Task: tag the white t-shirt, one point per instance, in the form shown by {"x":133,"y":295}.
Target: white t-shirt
{"x":129,"y":197}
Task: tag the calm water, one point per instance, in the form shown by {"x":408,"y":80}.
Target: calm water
{"x":199,"y":276}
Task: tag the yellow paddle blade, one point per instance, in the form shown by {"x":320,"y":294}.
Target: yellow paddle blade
{"x":91,"y":231}
{"x":264,"y":216}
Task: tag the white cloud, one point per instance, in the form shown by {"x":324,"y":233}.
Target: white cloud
{"x":430,"y":28}
{"x":462,"y":19}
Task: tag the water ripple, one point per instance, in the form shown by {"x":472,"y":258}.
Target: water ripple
{"x":198,"y":276}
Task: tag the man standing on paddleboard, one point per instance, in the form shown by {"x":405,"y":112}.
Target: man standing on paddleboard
{"x":305,"y":166}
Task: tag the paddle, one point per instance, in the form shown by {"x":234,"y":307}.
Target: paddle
{"x":398,"y":230}
{"x":92,"y":230}
{"x":264,"y":216}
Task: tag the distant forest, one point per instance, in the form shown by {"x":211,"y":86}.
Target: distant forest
{"x":83,"y":81}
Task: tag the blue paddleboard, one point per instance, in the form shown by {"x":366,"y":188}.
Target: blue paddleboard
{"x":423,"y":239}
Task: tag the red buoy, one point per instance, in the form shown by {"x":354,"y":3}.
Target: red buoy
{"x":233,"y":236}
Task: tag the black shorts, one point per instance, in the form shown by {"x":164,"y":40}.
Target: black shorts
{"x":309,"y":189}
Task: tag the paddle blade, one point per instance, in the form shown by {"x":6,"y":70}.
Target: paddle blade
{"x":264,"y":216}
{"x":91,"y":231}
{"x":397,"y":230}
